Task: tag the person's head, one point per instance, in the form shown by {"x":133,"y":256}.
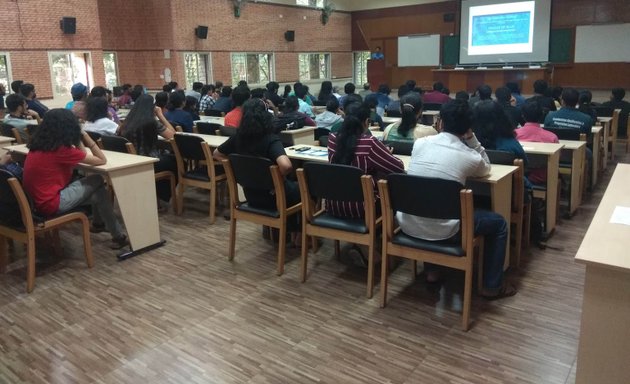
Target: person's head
{"x":96,"y":108}
{"x":174,"y":86}
{"x":355,"y":98}
{"x":60,"y":128}
{"x":490,"y":121}
{"x":258,"y":93}
{"x":256,"y":121}
{"x":354,"y":125}
{"x":378,"y":48}
{"x":301,"y":91}
{"x":384,"y":89}
{"x":218,"y":85}
{"x":410,"y":109}
{"x":462,"y":95}
{"x":226,"y":91}
{"x":190,"y":104}
{"x":98,"y":91}
{"x":485,"y":92}
{"x":207,"y":90}
{"x":16,"y":104}
{"x":197,"y":86}
{"x":291,"y":104}
{"x":532,"y":111}
{"x":445,"y":91}
{"x":456,"y":117}
{"x":437,"y":86}
{"x":513,"y":87}
{"x":503,"y":95}
{"x":15,"y":85}
{"x":411,"y":84}
{"x":272,"y":87}
{"x":242,"y":83}
{"x":78,"y":91}
{"x":349,"y":88}
{"x":540,"y":86}
{"x":27,"y":90}
{"x":403,"y":89}
{"x":240,"y":95}
{"x":617,"y":93}
{"x":167,"y":88}
{"x":585,"y":97}
{"x":325,"y":91}
{"x":556,"y":93}
{"x":287,"y":89}
{"x":136,"y":92}
{"x":140,"y":126}
{"x":570,"y":97}
{"x":366,"y":86}
{"x":332,"y":105}
{"x":176,"y":100}
{"x":161,"y":99}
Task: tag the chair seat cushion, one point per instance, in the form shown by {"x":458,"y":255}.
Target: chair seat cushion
{"x":271,"y":212}
{"x":344,"y":224}
{"x":445,"y":247}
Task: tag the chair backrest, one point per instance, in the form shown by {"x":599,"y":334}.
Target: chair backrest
{"x":431,"y":106}
{"x":318,"y":132}
{"x":94,"y":135}
{"x":6,"y":130}
{"x":500,"y":157}
{"x":565,"y":134}
{"x":251,"y":171}
{"x":334,"y":181}
{"x":15,"y":206}
{"x":117,"y":144}
{"x":602,"y":111}
{"x":393,"y":113}
{"x":207,"y":128}
{"x":323,"y":141}
{"x":31,"y":131}
{"x":213,"y":112}
{"x":227,"y":131}
{"x":400,"y":147}
{"x":189,"y":146}
{"x":425,"y":196}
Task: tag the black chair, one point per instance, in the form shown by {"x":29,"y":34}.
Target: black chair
{"x":602,"y":111}
{"x":393,"y":113}
{"x":214,"y":112}
{"x":318,"y":132}
{"x":227,"y":131}
{"x":207,"y":128}
{"x":400,"y":147}
{"x":323,"y":141}
{"x":10,"y":131}
{"x":323,"y":181}
{"x":260,"y":174}
{"x":196,"y":168}
{"x":565,"y":134}
{"x":96,"y":137}
{"x":431,"y":106}
{"x":436,"y":199}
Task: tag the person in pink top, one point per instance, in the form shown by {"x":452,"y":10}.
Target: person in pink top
{"x":436,"y":96}
{"x":533,"y":132}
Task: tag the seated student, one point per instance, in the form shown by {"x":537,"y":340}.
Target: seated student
{"x":495,"y":129}
{"x":2,"y":93}
{"x":325,"y":92}
{"x":436,"y":96}
{"x":161,"y":100}
{"x":617,"y":102}
{"x":505,"y":99}
{"x":291,"y":117}
{"x":408,"y":128}
{"x":303,"y":106}
{"x":516,"y":93}
{"x":105,"y":93}
{"x":137,"y":91}
{"x":394,"y":105}
{"x":142,"y":128}
{"x":195,"y":92}
{"x":15,"y":85}
{"x":531,"y":131}
{"x":79,"y":96}
{"x":239,"y":96}
{"x":272,"y":93}
{"x":255,"y":137}
{"x":372,"y":102}
{"x":365,"y":91}
{"x":353,"y":145}
{"x":19,"y":114}
{"x":483,"y":93}
{"x":97,"y":120}
{"x":556,"y":93}
{"x":456,"y":154}
{"x":287,"y":91}
{"x":568,"y":117}
{"x":28,"y":91}
{"x":332,"y":117}
{"x":224,"y":102}
{"x":383,"y":99}
{"x":54,"y":152}
{"x":348,"y":89}
{"x":190,"y":106}
{"x":207,"y":99}
{"x":176,"y":114}
{"x":125,"y":98}
{"x":540,"y":96}
{"x":584,"y":105}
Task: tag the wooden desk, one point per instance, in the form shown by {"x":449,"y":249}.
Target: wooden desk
{"x":5,"y":141}
{"x":499,"y":180}
{"x":133,"y":180}
{"x":212,"y":140}
{"x":304,"y":135}
{"x":605,"y":121}
{"x":551,"y":152}
{"x":578,"y":158}
{"x":210,"y":119}
{"x":604,"y":349}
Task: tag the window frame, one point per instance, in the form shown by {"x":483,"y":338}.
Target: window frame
{"x":272,"y":68}
{"x":115,"y":69}
{"x":328,"y":74}
{"x":209,"y":69}
{"x":7,"y":56}
{"x":355,"y":77}
{"x":89,"y":70}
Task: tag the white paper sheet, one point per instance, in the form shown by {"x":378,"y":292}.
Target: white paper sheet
{"x":621,"y":215}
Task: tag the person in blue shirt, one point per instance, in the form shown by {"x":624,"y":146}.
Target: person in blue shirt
{"x":176,"y":114}
{"x":377,"y":54}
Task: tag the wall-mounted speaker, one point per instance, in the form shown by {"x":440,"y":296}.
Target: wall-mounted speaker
{"x":68,"y":25}
{"x":201,"y":31}
{"x":289,"y":35}
{"x":449,"y":17}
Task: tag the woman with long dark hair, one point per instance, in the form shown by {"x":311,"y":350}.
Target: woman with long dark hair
{"x":495,"y":130}
{"x":325,"y":91}
{"x":142,"y":127}
{"x":352,"y":145}
{"x":57,"y":147}
{"x":408,"y":128}
{"x":97,"y":117}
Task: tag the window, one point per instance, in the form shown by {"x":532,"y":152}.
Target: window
{"x":314,"y":66}
{"x":111,"y":69}
{"x":68,"y":68}
{"x":197,"y":68}
{"x":255,"y":68}
{"x":311,"y":3}
{"x":360,"y":67}
{"x":5,"y":71}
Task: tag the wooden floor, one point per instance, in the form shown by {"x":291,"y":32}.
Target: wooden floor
{"x":185,"y":314}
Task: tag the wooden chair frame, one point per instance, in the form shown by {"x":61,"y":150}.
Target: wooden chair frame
{"x":464,"y":263}
{"x":311,"y":209}
{"x":31,"y":229}
{"x":279,"y":222}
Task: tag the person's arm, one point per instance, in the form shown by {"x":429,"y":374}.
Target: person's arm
{"x":284,"y":164}
{"x":95,"y":156}
{"x":218,"y":156}
{"x":383,"y":160}
{"x":34,"y":115}
{"x":169,"y":131}
{"x":483,"y":167}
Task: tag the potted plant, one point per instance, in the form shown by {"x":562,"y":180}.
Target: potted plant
{"x":327,"y":9}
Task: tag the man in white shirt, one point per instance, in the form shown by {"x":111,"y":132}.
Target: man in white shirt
{"x":456,"y":154}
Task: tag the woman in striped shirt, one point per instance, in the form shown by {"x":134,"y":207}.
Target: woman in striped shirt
{"x":354,"y":145}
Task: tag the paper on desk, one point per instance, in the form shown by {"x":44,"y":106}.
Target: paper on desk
{"x":621,"y":215}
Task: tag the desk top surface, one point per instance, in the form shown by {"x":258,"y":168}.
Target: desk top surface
{"x":606,"y":244}
{"x":115,"y":160}
{"x":210,"y":119}
{"x":212,"y":140}
{"x":541,"y":148}
{"x":573,"y":144}
{"x":604,"y":119}
{"x":6,"y":139}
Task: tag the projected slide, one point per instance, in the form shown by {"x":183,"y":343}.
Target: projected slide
{"x":501,"y":28}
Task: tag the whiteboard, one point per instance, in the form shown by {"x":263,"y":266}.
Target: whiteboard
{"x":419,"y":51}
{"x":602,"y":43}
